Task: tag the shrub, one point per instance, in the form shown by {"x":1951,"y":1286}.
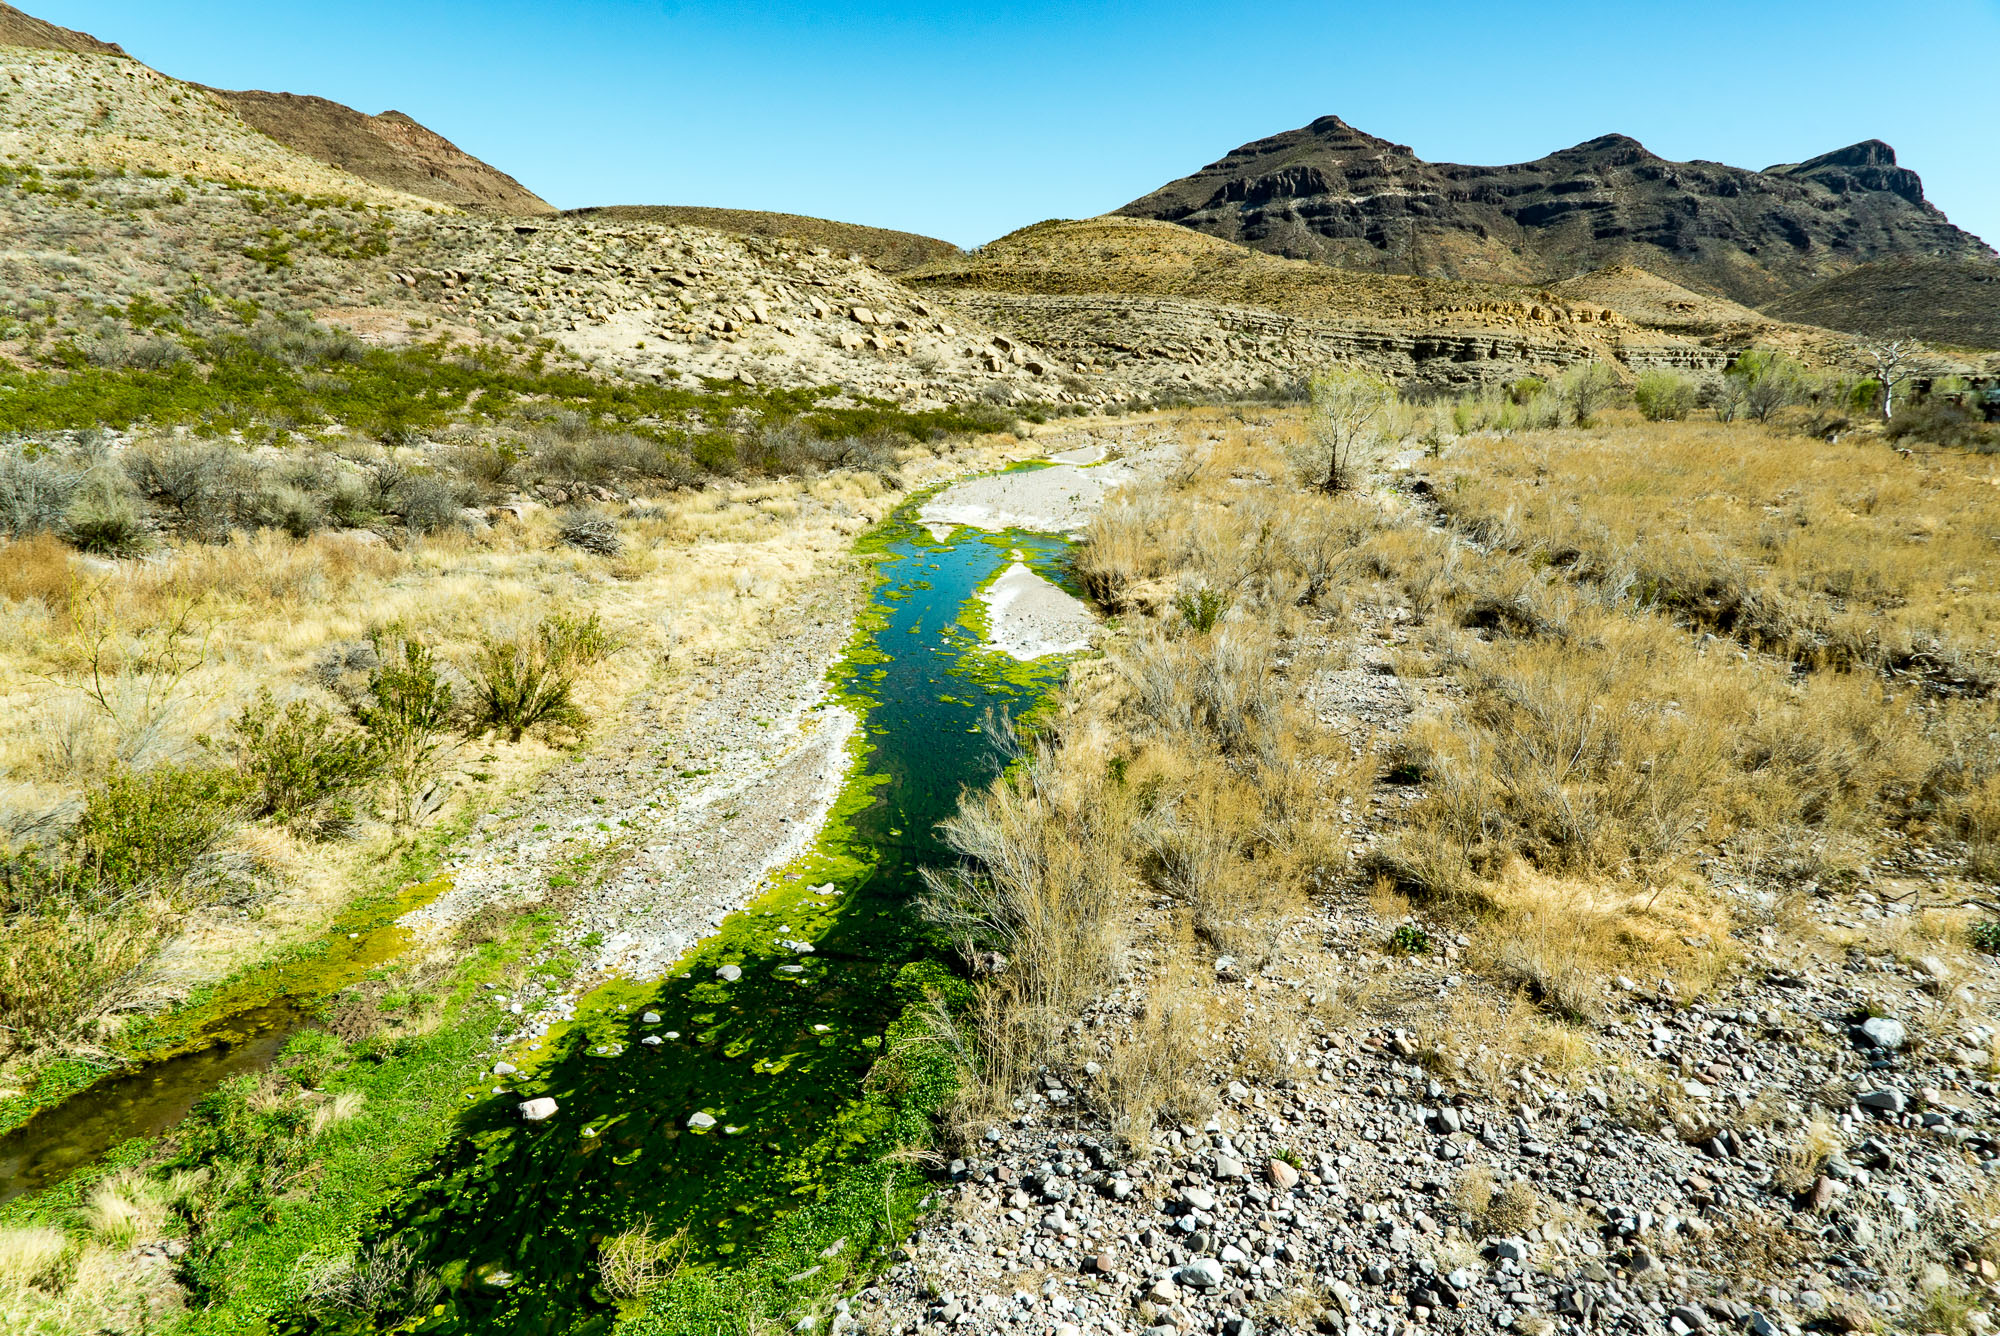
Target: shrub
{"x":104,"y":518}
{"x":424,"y":502}
{"x":35,"y":493}
{"x":590,"y":531}
{"x":146,"y":828}
{"x":1583,"y":390}
{"x":1201,"y":607}
{"x":1939,"y":421}
{"x":408,"y":717}
{"x":1986,"y":935}
{"x":1410,"y":940}
{"x":302,"y":766}
{"x":1343,"y":428}
{"x":1665,"y":396}
{"x":525,"y":680}
{"x":201,"y":484}
{"x":1769,"y":381}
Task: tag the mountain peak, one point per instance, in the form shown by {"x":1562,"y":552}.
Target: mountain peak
{"x":1332,"y":193}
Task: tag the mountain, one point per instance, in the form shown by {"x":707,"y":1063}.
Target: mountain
{"x":18,"y":29}
{"x":890,"y":251}
{"x":1945,"y":301}
{"x":1331,"y":193}
{"x":78,"y":99}
{"x":390,"y":149}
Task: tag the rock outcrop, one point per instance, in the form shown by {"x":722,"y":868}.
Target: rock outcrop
{"x":1331,"y":193}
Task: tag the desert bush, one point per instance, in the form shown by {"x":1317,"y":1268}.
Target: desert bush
{"x":1768,"y":380}
{"x":1938,"y":421}
{"x":303,"y":767}
{"x":409,"y":715}
{"x":1665,"y":396}
{"x":36,"y":492}
{"x":589,"y":530}
{"x":1584,"y":390}
{"x":424,"y":502}
{"x":1201,"y":607}
{"x":526,"y":679}
{"x":61,"y":957}
{"x":104,"y":517}
{"x":150,"y":828}
{"x":1344,"y":427}
{"x":201,"y":484}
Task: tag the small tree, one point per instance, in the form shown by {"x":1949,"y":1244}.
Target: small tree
{"x":1586,"y":389}
{"x":1893,"y":362}
{"x":1769,"y":380}
{"x":1344,"y":425}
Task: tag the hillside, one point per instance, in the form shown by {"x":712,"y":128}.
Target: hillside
{"x":391,"y":150}
{"x":888,"y":250}
{"x":1119,"y":292}
{"x":1332,"y":193}
{"x":106,"y":111}
{"x":18,"y":29}
{"x":1647,"y":299}
{"x":1945,"y":301}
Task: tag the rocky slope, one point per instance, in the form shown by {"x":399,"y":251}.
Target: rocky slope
{"x":18,"y":29}
{"x":1332,"y":193}
{"x":1946,"y":301}
{"x":1177,"y":309}
{"x":888,"y":250}
{"x":391,"y":150}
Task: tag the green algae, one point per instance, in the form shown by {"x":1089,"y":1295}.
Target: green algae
{"x":810,"y":1063}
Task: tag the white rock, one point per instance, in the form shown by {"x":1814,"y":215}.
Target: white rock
{"x":535,"y":1110}
{"x":729,"y":973}
{"x":701,"y":1122}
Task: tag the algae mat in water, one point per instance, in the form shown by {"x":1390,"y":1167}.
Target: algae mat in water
{"x":754,"y":1109}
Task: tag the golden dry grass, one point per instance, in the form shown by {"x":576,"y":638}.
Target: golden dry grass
{"x":1836,"y":554}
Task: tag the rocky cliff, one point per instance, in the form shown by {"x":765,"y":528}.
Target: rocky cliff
{"x":1331,"y":193}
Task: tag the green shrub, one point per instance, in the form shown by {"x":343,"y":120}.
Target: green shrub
{"x":1665,"y":396}
{"x":1201,"y":608}
{"x":1767,"y":381}
{"x":408,"y":717}
{"x":1986,"y":935}
{"x":150,"y":828}
{"x":1583,"y":390}
{"x":1410,"y":940}
{"x":303,"y":767}
{"x":526,"y":680}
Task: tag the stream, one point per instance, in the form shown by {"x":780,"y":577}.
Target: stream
{"x":750,"y":1100}
{"x":711,"y":1106}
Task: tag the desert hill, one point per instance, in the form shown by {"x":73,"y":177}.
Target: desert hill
{"x":1132,"y":294}
{"x":18,"y":29}
{"x":1946,"y":301}
{"x":75,"y":100}
{"x":1649,"y":300}
{"x":390,"y":150}
{"x":1332,"y":193}
{"x":890,"y":251}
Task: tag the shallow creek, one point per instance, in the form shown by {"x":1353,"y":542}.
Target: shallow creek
{"x":748,"y":1100}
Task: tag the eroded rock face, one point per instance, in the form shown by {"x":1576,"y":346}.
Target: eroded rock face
{"x":1330,"y":192}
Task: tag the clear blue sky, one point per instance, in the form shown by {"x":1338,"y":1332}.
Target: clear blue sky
{"x":966,"y":121}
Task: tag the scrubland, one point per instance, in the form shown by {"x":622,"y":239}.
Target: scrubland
{"x":1679,"y":707}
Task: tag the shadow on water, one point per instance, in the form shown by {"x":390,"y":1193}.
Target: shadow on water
{"x":512,"y":1216}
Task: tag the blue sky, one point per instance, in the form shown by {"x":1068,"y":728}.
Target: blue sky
{"x":966,"y":121}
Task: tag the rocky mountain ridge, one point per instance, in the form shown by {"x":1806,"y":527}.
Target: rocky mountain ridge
{"x":1332,"y":193}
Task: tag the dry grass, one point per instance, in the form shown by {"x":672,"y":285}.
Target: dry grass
{"x":1833,"y":554}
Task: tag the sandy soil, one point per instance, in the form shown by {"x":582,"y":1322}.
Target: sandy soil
{"x":1029,"y":617}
